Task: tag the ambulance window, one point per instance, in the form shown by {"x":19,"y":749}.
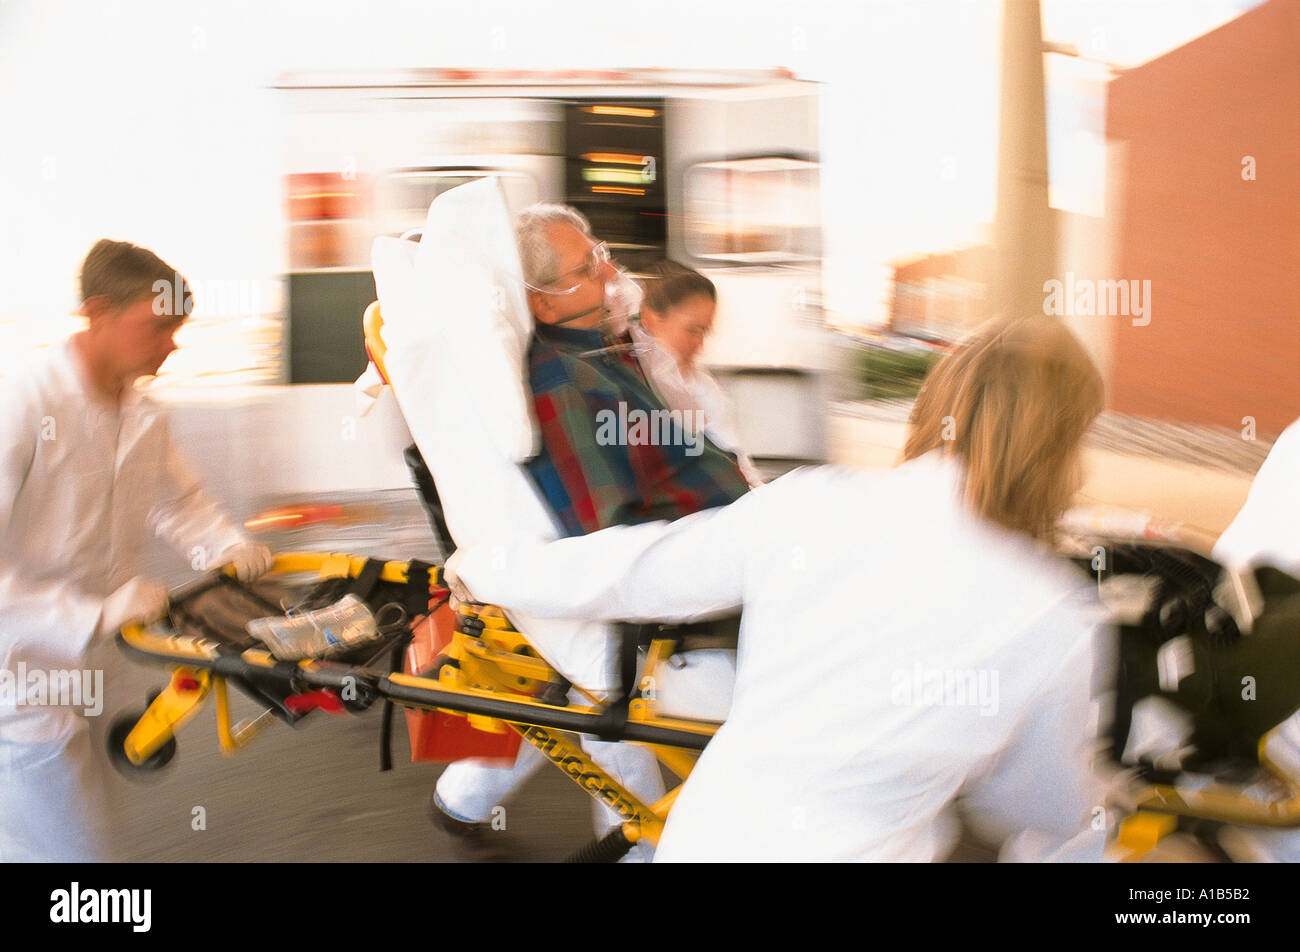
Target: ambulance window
{"x":755,"y":211}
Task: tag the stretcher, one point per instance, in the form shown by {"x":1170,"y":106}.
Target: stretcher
{"x":449,"y":345}
{"x":551,"y":686}
{"x":485,"y":673}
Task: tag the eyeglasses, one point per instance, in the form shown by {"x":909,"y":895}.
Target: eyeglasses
{"x":595,"y":262}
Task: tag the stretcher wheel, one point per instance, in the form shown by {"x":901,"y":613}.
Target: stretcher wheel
{"x":360,"y":699}
{"x":117,"y":734}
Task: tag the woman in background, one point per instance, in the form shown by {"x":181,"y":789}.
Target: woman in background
{"x":677,"y":311}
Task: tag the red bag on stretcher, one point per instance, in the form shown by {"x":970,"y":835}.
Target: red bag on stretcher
{"x":439,"y":736}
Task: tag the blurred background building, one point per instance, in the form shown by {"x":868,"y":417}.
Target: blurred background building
{"x":942,"y":296}
{"x":1202,"y":200}
{"x":176,"y":135}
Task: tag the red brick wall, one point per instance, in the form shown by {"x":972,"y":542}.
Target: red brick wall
{"x":1222,"y":254}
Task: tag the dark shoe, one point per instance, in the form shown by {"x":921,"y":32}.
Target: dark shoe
{"x":470,"y":842}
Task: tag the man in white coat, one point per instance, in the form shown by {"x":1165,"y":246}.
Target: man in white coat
{"x":87,"y":470}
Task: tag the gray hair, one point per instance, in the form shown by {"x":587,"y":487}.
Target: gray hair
{"x":536,"y":255}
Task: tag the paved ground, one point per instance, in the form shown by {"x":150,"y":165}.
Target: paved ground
{"x":311,"y":793}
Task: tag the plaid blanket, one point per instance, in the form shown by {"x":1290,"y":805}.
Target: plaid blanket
{"x":612,"y":453}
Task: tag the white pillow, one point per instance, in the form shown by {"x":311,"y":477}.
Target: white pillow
{"x":456,"y":362}
{"x":457,"y":327}
{"x":469,"y":287}
{"x":393,"y":261}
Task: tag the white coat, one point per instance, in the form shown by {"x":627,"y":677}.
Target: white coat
{"x":896,"y":653}
{"x":1267,"y":529}
{"x":82,"y":482}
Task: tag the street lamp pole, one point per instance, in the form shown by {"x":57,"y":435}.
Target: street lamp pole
{"x":1025,"y":234}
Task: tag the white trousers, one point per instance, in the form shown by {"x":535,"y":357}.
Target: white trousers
{"x":51,"y":802}
{"x":698,"y":685}
{"x":469,"y":789}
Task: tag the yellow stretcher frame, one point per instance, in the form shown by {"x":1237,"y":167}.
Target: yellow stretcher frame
{"x":481,"y":686}
{"x":1159,"y":807}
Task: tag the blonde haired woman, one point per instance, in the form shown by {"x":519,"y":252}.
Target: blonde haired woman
{"x":909,"y":639}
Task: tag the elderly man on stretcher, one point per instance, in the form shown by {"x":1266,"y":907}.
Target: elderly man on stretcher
{"x":458,"y":314}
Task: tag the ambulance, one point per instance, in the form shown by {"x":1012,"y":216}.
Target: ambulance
{"x":718,"y":170}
